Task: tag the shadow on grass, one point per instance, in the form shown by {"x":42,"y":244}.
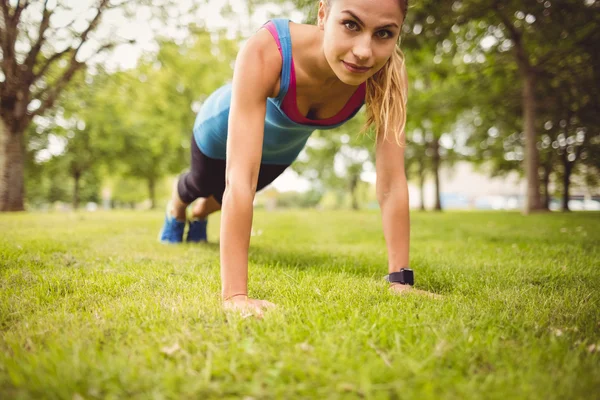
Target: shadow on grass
{"x":327,"y":263}
{"x":467,"y":279}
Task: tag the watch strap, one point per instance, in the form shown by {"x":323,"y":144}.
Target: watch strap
{"x":405,"y":277}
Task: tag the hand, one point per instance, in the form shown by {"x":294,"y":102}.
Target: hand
{"x":404,"y":289}
{"x":247,"y":306}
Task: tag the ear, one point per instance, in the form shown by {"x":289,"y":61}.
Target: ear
{"x":322,"y":14}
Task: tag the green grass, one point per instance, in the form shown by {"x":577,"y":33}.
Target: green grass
{"x":91,"y":306}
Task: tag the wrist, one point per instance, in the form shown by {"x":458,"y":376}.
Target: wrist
{"x":404,"y":276}
{"x":230,"y":289}
{"x":234,"y":295}
{"x":397,"y":267}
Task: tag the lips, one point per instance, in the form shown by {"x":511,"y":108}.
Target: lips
{"x":355,"y":68}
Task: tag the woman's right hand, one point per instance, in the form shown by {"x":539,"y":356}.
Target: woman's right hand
{"x":247,"y":306}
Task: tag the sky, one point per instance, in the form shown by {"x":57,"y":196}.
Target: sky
{"x":208,"y":14}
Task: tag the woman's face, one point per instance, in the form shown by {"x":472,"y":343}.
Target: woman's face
{"x":359,"y":36}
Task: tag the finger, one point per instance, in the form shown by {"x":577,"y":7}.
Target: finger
{"x":243,"y":311}
{"x":431,"y":294}
{"x":268,"y":304}
{"x":400,"y":289}
{"x":257,"y":311}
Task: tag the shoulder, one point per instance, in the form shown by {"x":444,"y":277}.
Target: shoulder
{"x":263,"y":46}
{"x":259,"y":61}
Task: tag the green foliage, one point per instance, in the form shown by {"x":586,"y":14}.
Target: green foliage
{"x":308,"y":199}
{"x":138,"y":123}
{"x":464,"y":99}
{"x":491,"y":48}
{"x":51,"y":183}
{"x":157,"y":103}
{"x":345,"y":148}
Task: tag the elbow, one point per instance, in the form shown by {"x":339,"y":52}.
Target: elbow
{"x":383,"y":195}
{"x":391,"y":189}
{"x":239,"y":190}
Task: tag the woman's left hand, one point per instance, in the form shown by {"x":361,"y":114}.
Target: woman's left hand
{"x":405,"y":289}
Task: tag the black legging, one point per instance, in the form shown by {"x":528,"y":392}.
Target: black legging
{"x":206,"y":177}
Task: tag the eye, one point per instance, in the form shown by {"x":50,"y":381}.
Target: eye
{"x":384,"y":34}
{"x":350,"y":25}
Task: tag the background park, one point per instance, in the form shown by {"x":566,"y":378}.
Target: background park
{"x":97,"y":103}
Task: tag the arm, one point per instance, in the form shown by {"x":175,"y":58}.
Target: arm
{"x":255,"y":78}
{"x":392,"y":194}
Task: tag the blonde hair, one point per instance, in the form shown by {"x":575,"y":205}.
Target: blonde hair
{"x":386,"y":95}
{"x":386,"y":99}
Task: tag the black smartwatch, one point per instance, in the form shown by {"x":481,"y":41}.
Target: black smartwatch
{"x":404,"y":277}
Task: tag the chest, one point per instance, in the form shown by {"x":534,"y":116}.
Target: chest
{"x":314,"y":102}
{"x":315,"y":105}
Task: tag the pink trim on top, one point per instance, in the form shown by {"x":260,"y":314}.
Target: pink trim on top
{"x":290,"y":107}
{"x":273,"y":29}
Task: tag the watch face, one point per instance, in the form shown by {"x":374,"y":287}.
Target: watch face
{"x":408,"y":277}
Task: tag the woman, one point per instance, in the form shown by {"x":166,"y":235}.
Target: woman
{"x":290,"y":79}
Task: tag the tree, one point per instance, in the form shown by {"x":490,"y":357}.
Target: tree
{"x":536,"y":34}
{"x":571,"y":117}
{"x":34,"y":80}
{"x":336,"y":159}
{"x":40,"y":58}
{"x":80,"y":121}
{"x":153,"y":115}
{"x":435,"y":103}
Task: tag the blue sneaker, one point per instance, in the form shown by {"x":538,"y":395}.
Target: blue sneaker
{"x":197,"y":231}
{"x":172,"y":230}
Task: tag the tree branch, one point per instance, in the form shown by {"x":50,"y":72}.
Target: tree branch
{"x":5,"y":11}
{"x":35,"y":49}
{"x":58,"y":86}
{"x":2,"y":40}
{"x":83,"y":37}
{"x":48,"y":63}
{"x":9,"y":62}
{"x":516,"y":36}
{"x":56,"y":90}
{"x":18,"y":10}
{"x":93,"y":24}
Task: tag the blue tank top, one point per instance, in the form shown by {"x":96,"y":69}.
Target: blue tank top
{"x":284,"y":139}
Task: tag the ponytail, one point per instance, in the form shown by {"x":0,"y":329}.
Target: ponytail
{"x":386,"y":99}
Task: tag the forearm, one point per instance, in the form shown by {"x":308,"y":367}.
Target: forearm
{"x":236,"y":224}
{"x":396,"y":225}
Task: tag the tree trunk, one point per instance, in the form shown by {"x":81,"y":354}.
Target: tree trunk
{"x":77,"y":179}
{"x":566,"y":181}
{"x":12,"y":179}
{"x":546,"y":184}
{"x":436,"y":172}
{"x":533,"y":201}
{"x":528,"y":72}
{"x":151,"y":191}
{"x":422,"y":184}
{"x":353,"y":186}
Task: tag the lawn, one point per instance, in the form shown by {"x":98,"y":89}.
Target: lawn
{"x":91,"y":306}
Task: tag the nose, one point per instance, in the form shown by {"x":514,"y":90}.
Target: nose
{"x":362,"y":48}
